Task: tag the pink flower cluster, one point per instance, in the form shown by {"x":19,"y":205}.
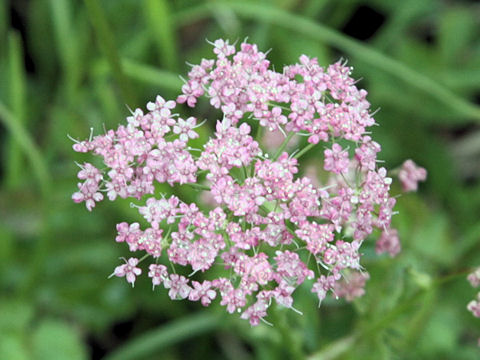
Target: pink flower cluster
{"x":270,"y":228}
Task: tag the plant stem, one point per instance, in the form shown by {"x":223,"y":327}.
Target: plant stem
{"x":199,"y":186}
{"x":283,"y":145}
{"x":303,"y":151}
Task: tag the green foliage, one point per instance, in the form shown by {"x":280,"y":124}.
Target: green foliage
{"x":75,"y":66}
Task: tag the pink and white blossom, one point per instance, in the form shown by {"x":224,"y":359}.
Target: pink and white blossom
{"x":269,"y":226}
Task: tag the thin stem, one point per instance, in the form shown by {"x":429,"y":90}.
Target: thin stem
{"x":245,"y":174}
{"x":199,"y":186}
{"x":303,"y":151}
{"x":259,"y":132}
{"x":283,"y":145}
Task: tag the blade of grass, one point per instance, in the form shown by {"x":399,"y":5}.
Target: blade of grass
{"x":151,"y":75}
{"x":66,"y":43}
{"x":16,"y":81}
{"x":346,"y":44}
{"x":167,"y":335}
{"x":464,"y":79}
{"x":26,"y":143}
{"x":159,"y":20}
{"x":107,"y":43}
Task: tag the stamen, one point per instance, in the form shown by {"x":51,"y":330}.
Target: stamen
{"x":74,"y":140}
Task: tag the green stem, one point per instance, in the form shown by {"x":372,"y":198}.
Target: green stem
{"x":450,"y":277}
{"x":283,"y":145}
{"x":199,"y":186}
{"x":258,"y":135}
{"x":303,"y":151}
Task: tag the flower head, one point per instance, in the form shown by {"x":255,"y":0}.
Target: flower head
{"x":410,"y":174}
{"x":129,"y":270}
{"x":267,"y":227}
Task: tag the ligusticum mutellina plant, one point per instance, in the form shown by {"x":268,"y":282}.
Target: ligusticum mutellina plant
{"x":262,"y":226}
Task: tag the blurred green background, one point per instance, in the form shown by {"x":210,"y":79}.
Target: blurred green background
{"x":67,"y":66}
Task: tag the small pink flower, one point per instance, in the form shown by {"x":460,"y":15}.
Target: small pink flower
{"x":336,"y":159}
{"x":203,"y":292}
{"x":158,"y":274}
{"x":352,"y":286}
{"x":388,"y":242}
{"x":184,"y":128}
{"x":474,"y":306}
{"x":178,"y":286}
{"x":410,"y":174}
{"x":256,"y":312}
{"x":160,"y":104}
{"x":474,"y":278}
{"x":129,"y":270}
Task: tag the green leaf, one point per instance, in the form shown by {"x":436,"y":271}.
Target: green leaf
{"x":54,"y":340}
